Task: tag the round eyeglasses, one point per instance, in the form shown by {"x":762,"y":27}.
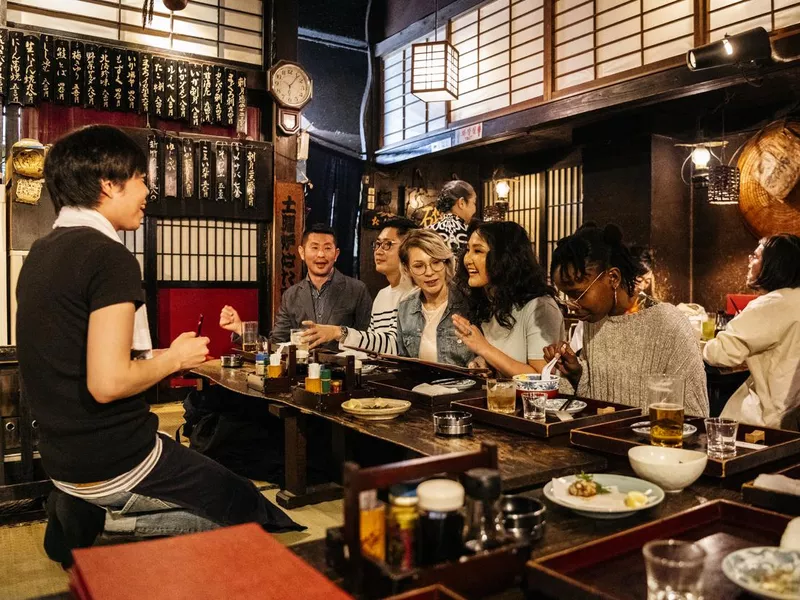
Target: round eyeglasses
{"x":420,"y":268}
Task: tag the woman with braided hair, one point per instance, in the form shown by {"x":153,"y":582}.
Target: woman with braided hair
{"x":623,"y":343}
{"x":457,"y":205}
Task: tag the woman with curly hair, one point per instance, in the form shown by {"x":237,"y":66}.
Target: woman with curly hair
{"x":507,"y":294}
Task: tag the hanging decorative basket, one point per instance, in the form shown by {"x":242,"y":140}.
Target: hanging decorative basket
{"x":723,"y":184}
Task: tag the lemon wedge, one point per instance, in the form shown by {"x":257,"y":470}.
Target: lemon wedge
{"x":635,"y":500}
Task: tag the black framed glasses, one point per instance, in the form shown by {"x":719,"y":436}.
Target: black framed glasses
{"x":384,"y":245}
{"x":435,"y":264}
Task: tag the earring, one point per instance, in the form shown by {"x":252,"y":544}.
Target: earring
{"x":615,"y":297}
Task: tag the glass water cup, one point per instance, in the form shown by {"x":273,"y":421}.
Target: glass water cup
{"x":721,"y":437}
{"x":665,"y":404}
{"x":674,"y":570}
{"x":501,"y":395}
{"x":534,"y":406}
{"x":250,"y":336}
{"x":296,"y":337}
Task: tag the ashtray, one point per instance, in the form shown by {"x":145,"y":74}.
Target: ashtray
{"x":523,"y":517}
{"x":231,"y":360}
{"x":452,"y":422}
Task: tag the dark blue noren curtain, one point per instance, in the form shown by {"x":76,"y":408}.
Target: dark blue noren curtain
{"x":335,"y":200}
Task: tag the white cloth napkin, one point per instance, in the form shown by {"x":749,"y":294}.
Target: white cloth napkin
{"x":433,"y":390}
{"x":778,"y":483}
{"x":73,"y":216}
{"x":791,"y":536}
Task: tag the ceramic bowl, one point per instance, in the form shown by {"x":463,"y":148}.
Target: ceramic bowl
{"x":532,"y":382}
{"x":671,"y":468}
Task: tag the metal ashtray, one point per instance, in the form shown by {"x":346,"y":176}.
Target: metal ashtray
{"x":523,"y":517}
{"x":452,"y":422}
{"x":231,"y":360}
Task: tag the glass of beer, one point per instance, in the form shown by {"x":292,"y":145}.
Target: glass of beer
{"x":665,"y":401}
{"x":501,"y":395}
{"x":250,"y":336}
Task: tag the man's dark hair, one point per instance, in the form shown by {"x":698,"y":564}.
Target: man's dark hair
{"x":79,"y":161}
{"x":451,"y":192}
{"x":515,"y":276}
{"x":644,"y":256}
{"x":401,"y":224}
{"x":602,"y":249}
{"x":322,"y":229}
{"x":780,"y":263}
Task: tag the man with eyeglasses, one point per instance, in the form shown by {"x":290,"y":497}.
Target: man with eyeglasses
{"x":324,"y":296}
{"x":382,"y":333}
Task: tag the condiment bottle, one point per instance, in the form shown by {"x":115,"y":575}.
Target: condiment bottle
{"x":485,"y":528}
{"x":275,"y":368}
{"x":401,"y":526}
{"x":358,"y":365}
{"x":261,"y":364}
{"x":325,"y":380}
{"x":336,"y":386}
{"x":440,"y":526}
{"x":372,"y":524}
{"x":313,"y":383}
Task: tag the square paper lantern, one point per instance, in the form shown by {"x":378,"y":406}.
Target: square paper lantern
{"x":434,"y":71}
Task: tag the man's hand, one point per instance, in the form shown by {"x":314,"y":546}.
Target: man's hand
{"x":229,"y":319}
{"x":315,"y":334}
{"x":188,"y":350}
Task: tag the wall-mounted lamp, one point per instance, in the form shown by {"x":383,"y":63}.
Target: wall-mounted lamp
{"x":502,"y":189}
{"x":700,"y":157}
{"x":749,"y":46}
{"x":722,"y":180}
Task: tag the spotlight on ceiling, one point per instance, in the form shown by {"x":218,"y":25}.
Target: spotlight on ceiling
{"x":749,"y":46}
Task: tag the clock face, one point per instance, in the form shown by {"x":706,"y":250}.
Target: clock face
{"x":291,"y":86}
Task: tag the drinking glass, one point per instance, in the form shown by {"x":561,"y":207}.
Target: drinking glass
{"x":665,"y":403}
{"x":296,"y":337}
{"x":707,"y":329}
{"x":501,"y":395}
{"x":721,"y":437}
{"x":534,"y":406}
{"x":674,"y":570}
{"x":250,"y":336}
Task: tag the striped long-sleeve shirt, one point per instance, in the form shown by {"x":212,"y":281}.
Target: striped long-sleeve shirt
{"x":382,"y":333}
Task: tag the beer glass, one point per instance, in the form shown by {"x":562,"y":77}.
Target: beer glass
{"x":665,"y":403}
{"x":250,"y":336}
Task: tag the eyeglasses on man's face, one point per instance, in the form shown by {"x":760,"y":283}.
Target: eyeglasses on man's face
{"x":384,"y":245}
{"x":419,"y":268}
{"x":575,"y":304}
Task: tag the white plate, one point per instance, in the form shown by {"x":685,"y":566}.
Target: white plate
{"x":376,"y":409}
{"x":643,"y":429}
{"x":553,"y":404}
{"x":748,"y":568}
{"x":655,"y":496}
{"x":455,"y":383}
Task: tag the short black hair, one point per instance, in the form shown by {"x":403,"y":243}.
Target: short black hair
{"x":451,"y":192}
{"x":320,"y":228}
{"x":644,"y":255}
{"x":401,"y":224}
{"x":780,"y":263}
{"x":591,"y":246}
{"x":79,"y":161}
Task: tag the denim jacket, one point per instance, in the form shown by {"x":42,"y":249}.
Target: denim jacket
{"x":411,"y":322}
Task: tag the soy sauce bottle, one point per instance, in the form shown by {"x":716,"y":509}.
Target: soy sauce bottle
{"x":440,"y":526}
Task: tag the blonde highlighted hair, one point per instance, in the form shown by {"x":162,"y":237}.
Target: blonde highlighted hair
{"x":433,"y":245}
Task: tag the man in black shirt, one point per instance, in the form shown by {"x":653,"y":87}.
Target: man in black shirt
{"x":80,"y":321}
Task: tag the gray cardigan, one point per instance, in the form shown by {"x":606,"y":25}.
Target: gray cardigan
{"x":348,"y":303}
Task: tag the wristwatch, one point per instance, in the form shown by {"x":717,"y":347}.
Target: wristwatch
{"x":343,"y":335}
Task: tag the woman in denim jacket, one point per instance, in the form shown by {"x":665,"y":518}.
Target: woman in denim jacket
{"x":425,"y":327}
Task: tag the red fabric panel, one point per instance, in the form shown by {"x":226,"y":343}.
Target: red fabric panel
{"x":180,"y":308}
{"x":736,"y":302}
{"x":241,"y":562}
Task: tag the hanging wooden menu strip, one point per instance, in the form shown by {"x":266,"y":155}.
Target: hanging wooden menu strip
{"x":145,"y":62}
{"x":183,"y":91}
{"x":118,"y":79}
{"x":195,"y":95}
{"x":104,"y":76}
{"x":219,"y":95}
{"x":250,"y":177}
{"x":205,"y":183}
{"x":77,"y":65}
{"x":159,"y":84}
{"x":222,"y":171}
{"x":153,"y":168}
{"x":3,"y":62}
{"x":171,"y":93}
{"x":91,"y":83}
{"x":16,"y":67}
{"x":208,"y":94}
{"x":30,"y":81}
{"x":241,"y":102}
{"x":171,"y":168}
{"x":60,"y":71}
{"x":131,"y":80}
{"x":237,"y":175}
{"x":230,"y":97}
{"x":45,"y":69}
{"x":187,"y":169}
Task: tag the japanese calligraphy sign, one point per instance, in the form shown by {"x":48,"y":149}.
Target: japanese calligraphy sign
{"x":118,"y":79}
{"x":195,"y":95}
{"x":241,"y":102}
{"x":91,"y":82}
{"x":77,"y":66}
{"x":223,"y":151}
{"x":187,"y":169}
{"x":30,"y":80}
{"x":183,"y":91}
{"x":159,"y":87}
{"x":131,"y":88}
{"x":170,"y":89}
{"x":145,"y":82}
{"x":104,"y":76}
{"x":3,"y":62}
{"x":171,"y":168}
{"x":16,"y":67}
{"x":208,"y":94}
{"x":237,"y":174}
{"x":205,"y":175}
{"x":289,"y":212}
{"x":153,"y":168}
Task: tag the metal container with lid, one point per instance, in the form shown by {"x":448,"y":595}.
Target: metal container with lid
{"x":231,"y":360}
{"x":440,"y":526}
{"x":484,"y":523}
{"x":523,"y":517}
{"x":452,"y":423}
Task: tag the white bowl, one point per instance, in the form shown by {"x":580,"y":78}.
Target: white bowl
{"x":671,"y":468}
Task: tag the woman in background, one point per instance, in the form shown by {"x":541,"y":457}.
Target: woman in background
{"x":766,"y":336}
{"x":507,"y":294}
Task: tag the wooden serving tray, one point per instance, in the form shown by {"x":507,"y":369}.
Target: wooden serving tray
{"x":401,"y":384}
{"x":553,"y":426}
{"x":612,"y":568}
{"x":785,"y":503}
{"x":617,"y":437}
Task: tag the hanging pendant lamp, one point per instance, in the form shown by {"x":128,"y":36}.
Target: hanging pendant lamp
{"x":434,"y":68}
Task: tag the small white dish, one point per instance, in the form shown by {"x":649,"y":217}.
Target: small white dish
{"x":671,"y":468}
{"x":643,"y":429}
{"x":766,"y":571}
{"x":621,"y":484}
{"x":553,"y":404}
{"x":376,"y":409}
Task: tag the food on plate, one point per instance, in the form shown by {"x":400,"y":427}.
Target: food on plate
{"x":635,"y":499}
{"x":584,"y":486}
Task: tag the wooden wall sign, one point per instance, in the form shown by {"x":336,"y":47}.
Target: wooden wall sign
{"x":118,"y":79}
{"x":289,"y":222}
{"x":90,"y":84}
{"x":30,"y":81}
{"x":153,"y":168}
{"x":171,"y":89}
{"x":3,"y":64}
{"x":208,"y":94}
{"x":131,"y":81}
{"x":103,"y":76}
{"x":145,"y":82}
{"x":77,"y":83}
{"x":16,"y":67}
{"x":195,"y":95}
